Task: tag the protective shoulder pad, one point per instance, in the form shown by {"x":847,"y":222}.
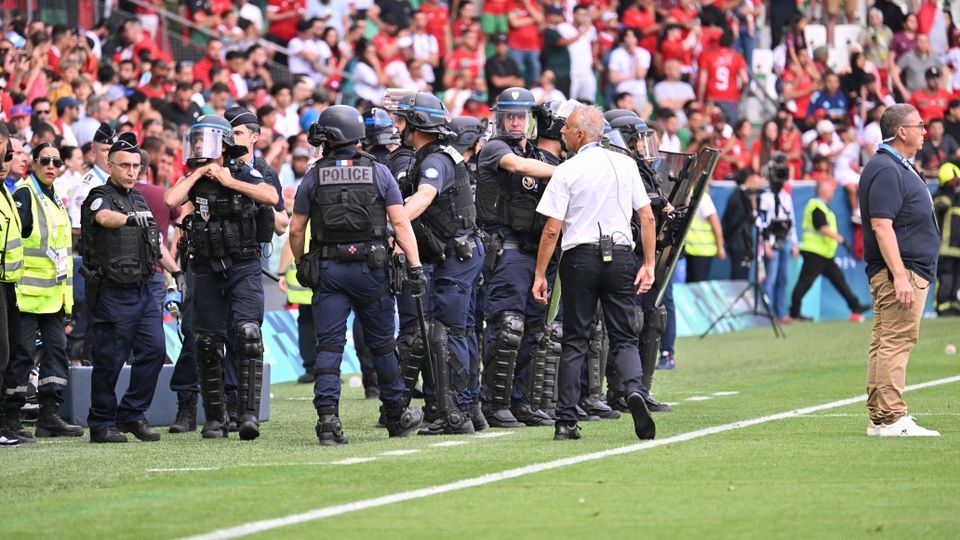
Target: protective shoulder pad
{"x":454,"y":154}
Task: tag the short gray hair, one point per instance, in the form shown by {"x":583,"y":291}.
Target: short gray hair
{"x":93,"y":104}
{"x":589,"y":119}
{"x":894,"y":118}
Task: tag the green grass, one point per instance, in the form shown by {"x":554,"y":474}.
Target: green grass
{"x":812,"y":477}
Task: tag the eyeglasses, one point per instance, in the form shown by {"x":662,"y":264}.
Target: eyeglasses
{"x":921,"y":125}
{"x":39,"y":112}
{"x":135,"y":167}
{"x":47,"y":160}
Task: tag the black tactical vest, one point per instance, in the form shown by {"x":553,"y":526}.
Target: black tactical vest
{"x":224,"y":223}
{"x":510,"y":199}
{"x":346,"y":206}
{"x":400,"y":162}
{"x":453,"y":209}
{"x":124,"y":256}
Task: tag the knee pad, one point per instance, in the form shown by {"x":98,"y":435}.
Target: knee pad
{"x":209,"y":348}
{"x":248,"y":339}
{"x":509,"y":331}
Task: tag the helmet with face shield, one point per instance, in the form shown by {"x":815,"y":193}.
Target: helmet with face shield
{"x":207,"y":139}
{"x":641,"y":140}
{"x":513,"y":114}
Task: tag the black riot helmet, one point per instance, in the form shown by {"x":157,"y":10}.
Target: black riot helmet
{"x":424,"y":112}
{"x":379,"y":128}
{"x":640,"y":139}
{"x":513,"y":114}
{"x":467,"y":131}
{"x":210,"y":137}
{"x":613,"y":114}
{"x":551,"y":116}
{"x":339,"y":125}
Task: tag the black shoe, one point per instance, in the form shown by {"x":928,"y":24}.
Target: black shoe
{"x":400,"y":422}
{"x":107,"y":435}
{"x":476,"y":416}
{"x":382,"y":418}
{"x":14,"y":429}
{"x":566,"y":431}
{"x":643,"y":424}
{"x":329,"y":429}
{"x":529,"y":417}
{"x":463,"y":425}
{"x":186,"y":413}
{"x":860,"y":309}
{"x":552,"y":413}
{"x":214,"y":429}
{"x":249,"y":427}
{"x":50,"y":424}
{"x":307,"y":378}
{"x":371,"y":392}
{"x":501,"y":418}
{"x":431,"y":413}
{"x":586,"y":417}
{"x":233,"y":411}
{"x":139,"y":429}
{"x":617,"y":401}
{"x":801,"y":318}
{"x":656,"y":406}
{"x":596,"y":406}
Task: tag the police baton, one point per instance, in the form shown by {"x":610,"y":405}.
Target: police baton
{"x":271,"y":275}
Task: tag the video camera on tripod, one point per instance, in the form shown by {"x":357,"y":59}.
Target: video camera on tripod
{"x":777,"y":173}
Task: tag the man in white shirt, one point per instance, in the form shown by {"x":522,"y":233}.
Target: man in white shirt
{"x":628,"y":66}
{"x":591,"y":199}
{"x":583,"y":51}
{"x":672,"y":93}
{"x":307,"y":54}
{"x":670,"y":124}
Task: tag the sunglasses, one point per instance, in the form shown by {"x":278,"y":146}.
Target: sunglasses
{"x":47,"y":160}
{"x":39,"y":112}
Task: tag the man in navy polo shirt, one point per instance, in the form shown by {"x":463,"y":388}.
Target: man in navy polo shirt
{"x":900,"y":247}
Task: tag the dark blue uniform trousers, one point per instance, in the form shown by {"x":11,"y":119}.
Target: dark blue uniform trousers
{"x":342,"y":286}
{"x":125,"y":320}
{"x":185,"y":378}
{"x":587,"y":279}
{"x":222,"y":299}
{"x":53,"y":360}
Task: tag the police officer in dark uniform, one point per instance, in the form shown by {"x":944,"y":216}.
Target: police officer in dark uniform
{"x":231,"y":215}
{"x":381,"y":135}
{"x":121,"y":248}
{"x":510,"y":183}
{"x":347,"y":197}
{"x":642,"y":143}
{"x":444,"y":219}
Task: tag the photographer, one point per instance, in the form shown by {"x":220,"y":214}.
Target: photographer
{"x":779,"y":237}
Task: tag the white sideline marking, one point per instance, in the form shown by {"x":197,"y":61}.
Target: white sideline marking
{"x":352,"y":461}
{"x":185,"y":469}
{"x":492,"y":434}
{"x":845,"y":415}
{"x":299,"y":398}
{"x":698,"y":398}
{"x":725,"y":393}
{"x":330,"y":511}
{"x":448,"y":443}
{"x":399,"y":452}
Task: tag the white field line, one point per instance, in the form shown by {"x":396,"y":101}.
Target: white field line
{"x":853,"y":415}
{"x":340,"y":509}
{"x":493,"y":434}
{"x":448,"y":443}
{"x":352,"y":461}
{"x":399,"y":452}
{"x":728,"y":393}
{"x":698,"y":398}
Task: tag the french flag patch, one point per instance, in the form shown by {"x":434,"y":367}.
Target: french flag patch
{"x":344,"y":162}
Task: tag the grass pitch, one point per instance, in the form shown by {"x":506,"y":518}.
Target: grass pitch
{"x":816,"y":476}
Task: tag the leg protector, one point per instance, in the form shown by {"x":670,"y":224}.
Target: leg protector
{"x":442,"y":386}
{"x":249,"y":346}
{"x":595,"y":358}
{"x":329,"y":429}
{"x":655,"y":322}
{"x":499,"y":372}
{"x":548,"y":402}
{"x":538,"y":364}
{"x":412,"y":355}
{"x":209,"y":367}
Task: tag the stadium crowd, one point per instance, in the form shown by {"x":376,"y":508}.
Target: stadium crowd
{"x":687,"y":68}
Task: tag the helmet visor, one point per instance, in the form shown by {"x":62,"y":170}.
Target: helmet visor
{"x":202,"y":143}
{"x":613,"y":140}
{"x":515,"y":124}
{"x":648,"y":145}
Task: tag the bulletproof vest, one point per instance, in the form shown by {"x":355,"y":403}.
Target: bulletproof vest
{"x":380,"y":153}
{"x":511,"y":199}
{"x":224,"y":222}
{"x":400,"y":161}
{"x":453,"y":209}
{"x":125,"y":256}
{"x":547,"y":157}
{"x":346,"y":206}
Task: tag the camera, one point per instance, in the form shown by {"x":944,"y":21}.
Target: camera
{"x":777,"y":172}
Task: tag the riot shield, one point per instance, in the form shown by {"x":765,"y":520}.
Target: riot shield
{"x":683,"y":180}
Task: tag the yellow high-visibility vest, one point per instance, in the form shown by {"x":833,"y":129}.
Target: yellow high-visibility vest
{"x":700,"y":241}
{"x":45,"y":288}
{"x":813,"y":240}
{"x":297,"y":293}
{"x":11,"y":241}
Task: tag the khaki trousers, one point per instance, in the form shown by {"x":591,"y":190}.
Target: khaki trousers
{"x":895,"y":332}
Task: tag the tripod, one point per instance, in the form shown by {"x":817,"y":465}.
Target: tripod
{"x":759,"y":296}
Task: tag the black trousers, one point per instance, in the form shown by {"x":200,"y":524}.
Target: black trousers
{"x":698,"y":268}
{"x":9,"y":326}
{"x":813,"y":267}
{"x":306,"y":336}
{"x":948,"y":286}
{"x":54,"y":367}
{"x":739,"y":270}
{"x":586,"y":279}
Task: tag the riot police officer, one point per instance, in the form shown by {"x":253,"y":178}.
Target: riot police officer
{"x":641,"y":141}
{"x":347,"y":198}
{"x":444,"y":219}
{"x":509,"y":187}
{"x":230,"y":216}
{"x":121,"y":248}
{"x":401,"y":159}
{"x":381,"y":135}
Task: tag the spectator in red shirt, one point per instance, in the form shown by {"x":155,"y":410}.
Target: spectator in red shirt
{"x":931,"y":102}
{"x":159,"y":85}
{"x":677,"y":47}
{"x":138,"y":41}
{"x":385,"y":42}
{"x":213,"y":56}
{"x":723,"y":72}
{"x":466,"y":15}
{"x":790,"y":141}
{"x":283,"y":16}
{"x":438,"y":24}
{"x":685,"y":14}
{"x":642,"y":17}
{"x":800,"y":81}
{"x":735,"y":153}
{"x":526,"y":22}
{"x":466,"y":57}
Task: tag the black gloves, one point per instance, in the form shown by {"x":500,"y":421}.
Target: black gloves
{"x":140,"y":219}
{"x":181,"y":280}
{"x":417,"y":280}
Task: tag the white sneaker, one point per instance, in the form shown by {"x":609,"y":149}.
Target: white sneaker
{"x":906,"y":427}
{"x":8,"y":442}
{"x":873,"y":430}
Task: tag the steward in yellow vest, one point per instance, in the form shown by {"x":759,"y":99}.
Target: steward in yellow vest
{"x":303,"y":297}
{"x":704,"y":241}
{"x":11,"y":268}
{"x":818,"y":247}
{"x":44,"y":294}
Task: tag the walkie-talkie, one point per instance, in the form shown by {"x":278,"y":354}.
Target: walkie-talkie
{"x":606,"y":246}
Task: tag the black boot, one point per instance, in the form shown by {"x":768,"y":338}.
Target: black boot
{"x":459,"y":423}
{"x":307,"y":378}
{"x":401,"y":421}
{"x":656,"y":406}
{"x":479,"y":421}
{"x":107,"y":435}
{"x":329,"y":428}
{"x":249,"y":427}
{"x":530,"y":417}
{"x":12,"y":424}
{"x":139,"y":429}
{"x":50,"y":424}
{"x":431,"y":413}
{"x":233,"y":411}
{"x":501,"y":418}
{"x":186,"y":413}
{"x":596,"y":406}
{"x":370,"y":388}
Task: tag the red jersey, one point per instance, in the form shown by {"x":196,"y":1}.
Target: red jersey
{"x":460,"y":28}
{"x":150,"y":92}
{"x":526,"y":37}
{"x":496,"y":7}
{"x":790,"y":142}
{"x":723,"y":67}
{"x":683,"y":16}
{"x":673,"y":49}
{"x":642,"y":20}
{"x":438,"y":18}
{"x":929,"y":105}
{"x":802,"y":83}
{"x":383,"y":43}
{"x":287,"y":28}
{"x":201,"y":70}
{"x":462,"y":59}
